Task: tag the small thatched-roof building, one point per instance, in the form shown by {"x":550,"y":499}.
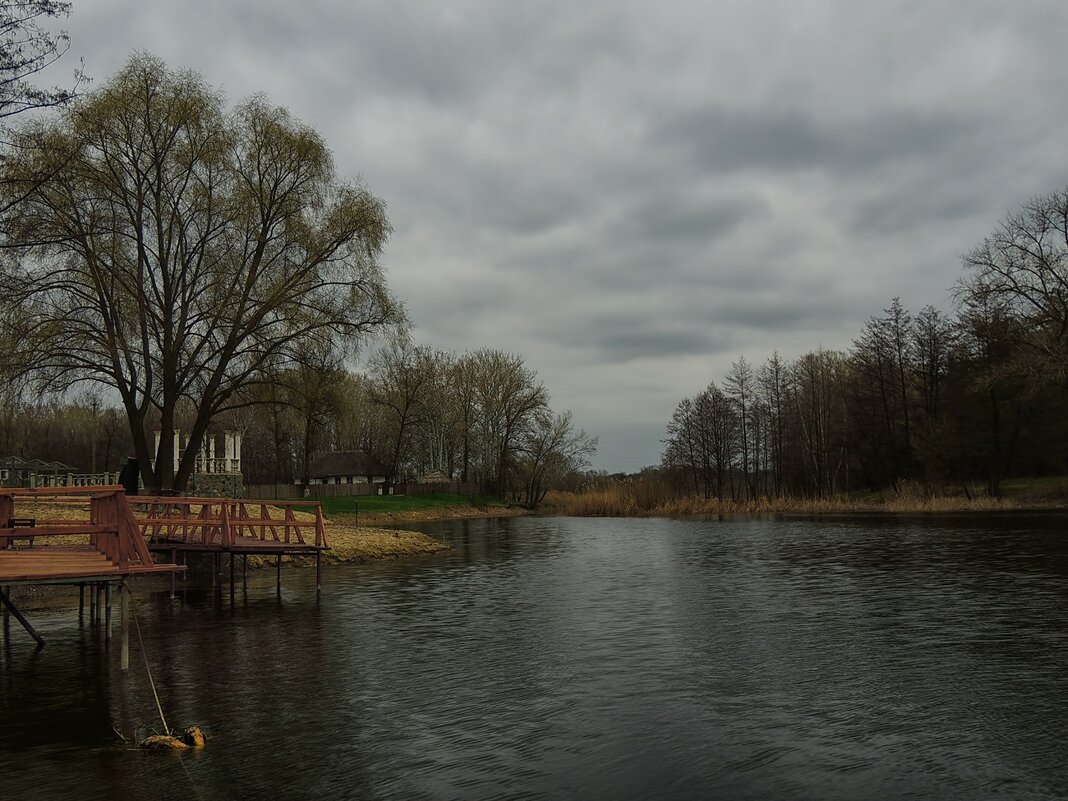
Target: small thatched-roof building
{"x":348,"y":467}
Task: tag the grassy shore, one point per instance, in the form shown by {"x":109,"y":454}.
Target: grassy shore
{"x":650,"y":499}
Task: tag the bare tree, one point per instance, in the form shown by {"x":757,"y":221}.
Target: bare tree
{"x":26,"y":50}
{"x":740,"y":385}
{"x":1022,"y":270}
{"x":312,"y":390}
{"x":552,"y":448}
{"x":510,"y":395}
{"x":402,"y":376}
{"x":816,"y":383}
{"x":177,"y":249}
{"x":772,"y":382}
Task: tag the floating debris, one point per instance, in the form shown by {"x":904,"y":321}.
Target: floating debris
{"x":189,"y":737}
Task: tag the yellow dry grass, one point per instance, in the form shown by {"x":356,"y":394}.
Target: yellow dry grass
{"x":364,"y":544}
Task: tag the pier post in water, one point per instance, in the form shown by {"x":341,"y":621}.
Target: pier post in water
{"x":278,"y":575}
{"x":6,"y":601}
{"x":174,"y":561}
{"x":107,"y":611}
{"x":124,"y":625}
{"x":81,"y":601}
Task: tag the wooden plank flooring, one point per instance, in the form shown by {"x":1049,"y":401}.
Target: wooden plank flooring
{"x":53,"y":563}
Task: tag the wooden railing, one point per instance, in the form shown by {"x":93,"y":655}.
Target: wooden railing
{"x":223,"y":522}
{"x":111,"y":527}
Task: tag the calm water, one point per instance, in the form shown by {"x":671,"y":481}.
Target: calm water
{"x":845,"y":658}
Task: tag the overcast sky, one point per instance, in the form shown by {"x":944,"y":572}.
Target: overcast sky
{"x":633,"y":194}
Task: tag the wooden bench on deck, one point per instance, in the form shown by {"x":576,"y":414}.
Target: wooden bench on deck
{"x":19,"y":522}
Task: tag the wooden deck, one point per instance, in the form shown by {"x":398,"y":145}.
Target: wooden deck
{"x":108,"y":548}
{"x":123,"y":533}
{"x":116,"y":548}
{"x":59,"y":565}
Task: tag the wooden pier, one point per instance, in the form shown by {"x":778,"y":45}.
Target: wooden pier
{"x":104,"y":550}
{"x":122,"y":533}
{"x":234,"y":527}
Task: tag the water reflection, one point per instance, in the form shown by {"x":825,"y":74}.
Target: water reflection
{"x":843,"y":657}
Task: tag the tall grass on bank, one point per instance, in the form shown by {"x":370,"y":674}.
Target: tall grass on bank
{"x":654,"y":499}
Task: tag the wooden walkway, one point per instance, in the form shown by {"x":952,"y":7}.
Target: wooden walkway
{"x":233,"y":526}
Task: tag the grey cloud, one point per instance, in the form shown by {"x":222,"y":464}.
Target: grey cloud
{"x":647,"y":342}
{"x":682,"y":217}
{"x":605,"y":187}
{"x":620,"y":337}
{"x":721,"y":139}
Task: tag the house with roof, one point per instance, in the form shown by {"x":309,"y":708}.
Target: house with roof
{"x":348,"y":467}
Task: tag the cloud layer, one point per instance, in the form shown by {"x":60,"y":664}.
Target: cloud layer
{"x":632,"y":194}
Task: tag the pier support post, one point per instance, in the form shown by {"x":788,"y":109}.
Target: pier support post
{"x":8,"y":606}
{"x":174,"y":560}
{"x":318,"y":570}
{"x":233,"y":588}
{"x":124,"y":625}
{"x":81,"y":600}
{"x":278,"y":575}
{"x":107,"y":611}
{"x":244,"y":571}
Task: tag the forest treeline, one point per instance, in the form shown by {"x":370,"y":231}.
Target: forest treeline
{"x":482,"y":417}
{"x":956,"y":400}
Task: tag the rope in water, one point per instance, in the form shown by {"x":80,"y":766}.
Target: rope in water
{"x":148,"y":670}
{"x":189,"y":776}
{"x":152,"y":684}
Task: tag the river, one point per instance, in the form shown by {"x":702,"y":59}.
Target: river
{"x":849,"y":657}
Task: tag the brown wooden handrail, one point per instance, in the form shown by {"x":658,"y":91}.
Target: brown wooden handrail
{"x":111,"y":528}
{"x":224,"y":521}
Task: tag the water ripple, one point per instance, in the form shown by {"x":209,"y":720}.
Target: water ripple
{"x":843,"y":658}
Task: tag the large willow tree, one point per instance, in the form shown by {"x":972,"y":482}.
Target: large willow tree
{"x":172,"y":249}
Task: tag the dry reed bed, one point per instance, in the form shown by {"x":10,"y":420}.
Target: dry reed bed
{"x":650,"y":501}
